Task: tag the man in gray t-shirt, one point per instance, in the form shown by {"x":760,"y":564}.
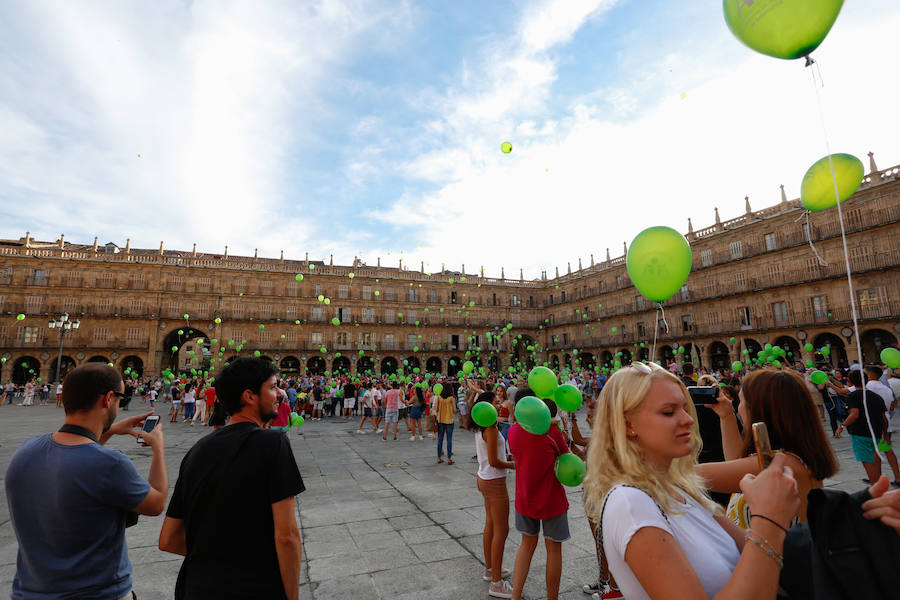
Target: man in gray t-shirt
{"x":69,"y":496}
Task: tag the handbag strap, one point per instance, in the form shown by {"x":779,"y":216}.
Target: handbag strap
{"x":604,"y":568}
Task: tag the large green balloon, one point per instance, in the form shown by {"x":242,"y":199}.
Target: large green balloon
{"x":809,"y":347}
{"x":438,"y":388}
{"x":785,"y":29}
{"x":658,"y":262}
{"x":891,"y":357}
{"x":533,"y":415}
{"x":817,"y":187}
{"x":542,"y":382}
{"x":567,"y":397}
{"x":818,"y":377}
{"x":468,"y":367}
{"x":569,"y":469}
{"x":484,"y":414}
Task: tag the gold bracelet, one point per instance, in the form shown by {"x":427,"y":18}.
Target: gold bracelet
{"x":764,"y":545}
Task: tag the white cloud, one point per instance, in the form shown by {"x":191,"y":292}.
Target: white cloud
{"x":623,"y":159}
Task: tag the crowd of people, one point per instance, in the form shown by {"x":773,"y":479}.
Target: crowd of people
{"x":678,"y":502}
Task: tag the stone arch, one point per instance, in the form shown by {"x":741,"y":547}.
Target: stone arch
{"x":554,"y":362}
{"x":586,"y":360}
{"x":666,"y":355}
{"x":874,"y":341}
{"x":791,"y":348}
{"x":315,"y":365}
{"x":494,"y":364}
{"x":289,"y":364}
{"x":134,"y":363}
{"x":454,"y":365}
{"x":752,"y":347}
{"x":643,"y":352}
{"x":174,"y":339}
{"x":838,"y":354}
{"x":567,"y":361}
{"x":625,"y":359}
{"x":340,"y":365}
{"x":24,"y":369}
{"x":98,"y":358}
{"x":365,"y":364}
{"x":388,"y":365}
{"x":412,"y":362}
{"x":433,"y":365}
{"x":606,"y":358}
{"x":719,"y":356}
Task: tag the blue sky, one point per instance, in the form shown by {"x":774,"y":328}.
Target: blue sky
{"x":367,"y":128}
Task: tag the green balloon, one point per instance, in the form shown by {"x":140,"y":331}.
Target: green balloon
{"x":826,"y":351}
{"x":506,"y":147}
{"x":296,"y":420}
{"x":542,"y":382}
{"x":736,"y":366}
{"x":567,"y":397}
{"x":174,"y":348}
{"x":810,"y":364}
{"x":180,"y":332}
{"x":818,"y":377}
{"x":891,"y":357}
{"x":468,"y":367}
{"x":569,"y":469}
{"x":218,"y":320}
{"x":533,"y":415}
{"x":776,"y":364}
{"x":299,"y":277}
{"x":335,"y":321}
{"x":20,"y":317}
{"x":658,"y":262}
{"x":809,"y":347}
{"x":817,"y":188}
{"x":484,"y":414}
{"x":784,"y":29}
{"x":680,"y":349}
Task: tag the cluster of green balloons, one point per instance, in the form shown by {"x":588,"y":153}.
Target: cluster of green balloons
{"x":296,"y":420}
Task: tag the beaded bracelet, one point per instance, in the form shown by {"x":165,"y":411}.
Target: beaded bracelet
{"x":772,"y":521}
{"x":764,"y":545}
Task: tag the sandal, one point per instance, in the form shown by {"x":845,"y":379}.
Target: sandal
{"x":449,"y":461}
{"x":440,"y":460}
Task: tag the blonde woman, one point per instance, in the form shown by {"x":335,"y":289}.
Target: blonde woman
{"x":658,"y":532}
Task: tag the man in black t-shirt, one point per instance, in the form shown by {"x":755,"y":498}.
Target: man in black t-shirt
{"x":856,"y":425}
{"x":232,"y":512}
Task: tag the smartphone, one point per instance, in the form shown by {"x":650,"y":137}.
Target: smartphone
{"x":763,"y":447}
{"x":703,"y":394}
{"x":149,"y":423}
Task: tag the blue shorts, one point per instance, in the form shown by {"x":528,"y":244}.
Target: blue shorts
{"x":863,"y":448}
{"x":556,"y":529}
{"x":415,"y":412}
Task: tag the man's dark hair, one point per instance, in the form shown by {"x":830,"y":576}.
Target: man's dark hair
{"x":84,"y":385}
{"x":395,"y":385}
{"x":687,"y":369}
{"x":522,"y":392}
{"x":874,"y":372}
{"x":241,"y":374}
{"x":854,"y":376}
{"x":554,"y":410}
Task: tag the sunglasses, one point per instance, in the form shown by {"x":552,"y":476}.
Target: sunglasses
{"x":120,"y":395}
{"x":641,"y":367}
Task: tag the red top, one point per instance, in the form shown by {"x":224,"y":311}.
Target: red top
{"x":539,"y":494}
{"x":210,"y":396}
{"x":503,"y":413}
{"x":284,"y":415}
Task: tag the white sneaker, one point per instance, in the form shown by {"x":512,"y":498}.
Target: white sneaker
{"x":502,"y":589}
{"x":412,"y":438}
{"x":379,"y":430}
{"x":421,"y":438}
{"x":431,"y":436}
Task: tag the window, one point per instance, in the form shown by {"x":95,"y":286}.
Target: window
{"x":737,"y":250}
{"x":411,"y":341}
{"x":367,"y":292}
{"x":368,"y":315}
{"x":854,"y":218}
{"x":740,"y":280}
{"x":565,"y":339}
{"x":203,"y":310}
{"x":365,"y":339}
{"x":291,"y":337}
{"x":133,"y":334}
{"x":317,"y":314}
{"x":290,"y":312}
{"x":203,"y":284}
{"x":687,"y":323}
{"x":389,"y":316}
{"x":238,"y":311}
{"x":101,"y":334}
{"x":706,"y":257}
{"x":713,"y":317}
{"x":318,"y":290}
{"x":293,"y":289}
{"x":412,"y":294}
{"x":860,"y":256}
{"x":640,"y":329}
{"x":239,"y":286}
{"x":434,"y":295}
{"x":530,"y":301}
{"x":264,"y":337}
{"x":410,"y":316}
{"x":103,"y":305}
{"x":388,"y":340}
{"x":5,"y":275}
{"x":340,"y":339}
{"x":513,"y":300}
{"x":389,"y":294}
{"x":31,"y":334}
{"x":315,"y":339}
{"x":563,"y":295}
{"x":174,"y":282}
{"x":869,"y":299}
{"x":618,"y":281}
{"x":137,"y":281}
{"x":771,"y":242}
{"x":774,"y":272}
{"x":343,"y":314}
{"x":779,"y":312}
{"x":820,"y":307}
{"x":639,"y":302}
{"x":343,"y":292}
{"x":452,"y":297}
{"x":33,"y":304}
{"x":744,"y":316}
{"x":265,"y":311}
{"x":2,"y":298}
{"x":136,"y":308}
{"x":685,"y":294}
{"x":39,"y":276}
{"x":494,"y":299}
{"x":265,"y":288}
{"x":237,"y":335}
{"x":551,"y":299}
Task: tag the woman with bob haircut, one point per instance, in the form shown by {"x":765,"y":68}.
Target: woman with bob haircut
{"x":658,"y":531}
{"x":781,"y":400}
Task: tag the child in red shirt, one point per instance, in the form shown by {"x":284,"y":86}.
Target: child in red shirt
{"x":541,"y":501}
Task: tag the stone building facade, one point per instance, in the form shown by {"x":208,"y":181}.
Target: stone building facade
{"x":755,"y":279}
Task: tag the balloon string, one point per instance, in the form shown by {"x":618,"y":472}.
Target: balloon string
{"x":853,"y":313}
{"x":660,"y":315}
{"x":808,"y":234}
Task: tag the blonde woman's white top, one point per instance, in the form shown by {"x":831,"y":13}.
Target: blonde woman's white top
{"x":707,"y":546}
{"x":485,"y":470}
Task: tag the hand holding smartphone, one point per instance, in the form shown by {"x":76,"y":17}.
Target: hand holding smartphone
{"x":703,"y":394}
{"x":149,"y":424}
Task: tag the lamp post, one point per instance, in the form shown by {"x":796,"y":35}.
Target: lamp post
{"x":64,"y":325}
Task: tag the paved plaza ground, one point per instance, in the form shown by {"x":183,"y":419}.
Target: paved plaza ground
{"x":378,"y":519}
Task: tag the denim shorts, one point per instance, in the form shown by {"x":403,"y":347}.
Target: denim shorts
{"x":415,"y":412}
{"x":556,"y":529}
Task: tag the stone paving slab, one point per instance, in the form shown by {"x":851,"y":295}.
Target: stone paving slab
{"x":379,"y":519}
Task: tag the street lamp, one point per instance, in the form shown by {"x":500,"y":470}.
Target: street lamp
{"x":64,"y":325}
